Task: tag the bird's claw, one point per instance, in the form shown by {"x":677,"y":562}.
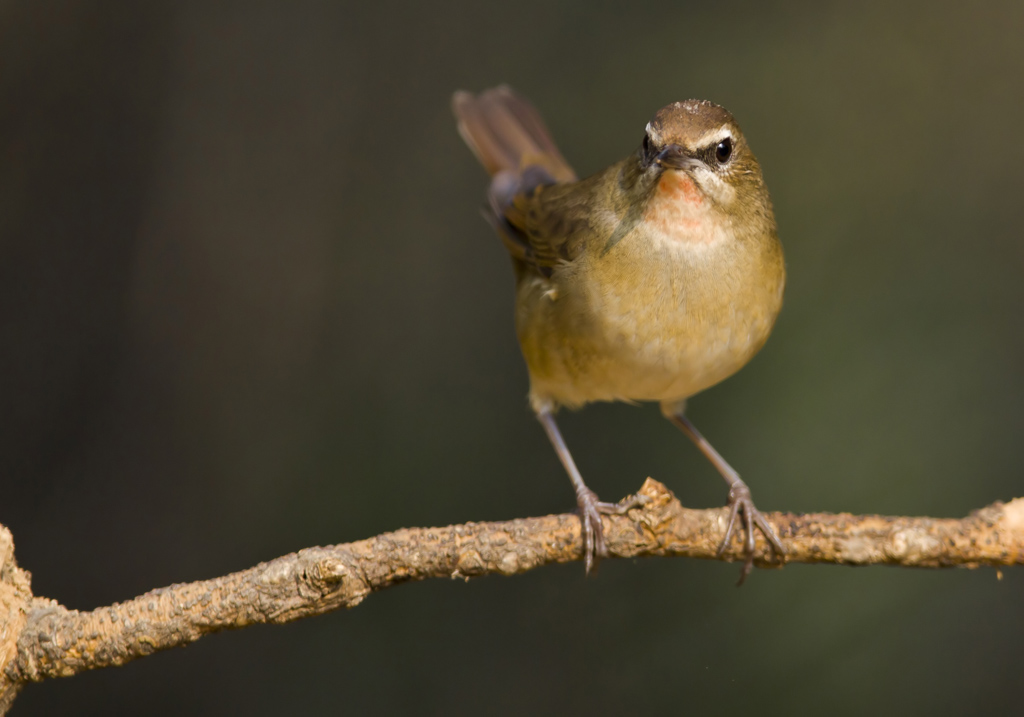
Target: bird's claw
{"x":591,"y":529}
{"x":591,"y":509}
{"x":625,"y":505}
{"x":740,"y":501}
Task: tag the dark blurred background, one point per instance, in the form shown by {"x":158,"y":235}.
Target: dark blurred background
{"x":248,"y":305}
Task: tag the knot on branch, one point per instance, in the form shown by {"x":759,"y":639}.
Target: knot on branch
{"x":320,"y":575}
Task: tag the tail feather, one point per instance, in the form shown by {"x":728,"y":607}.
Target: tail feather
{"x":507,"y":134}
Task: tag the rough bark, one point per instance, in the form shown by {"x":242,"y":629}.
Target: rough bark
{"x":40,"y":639}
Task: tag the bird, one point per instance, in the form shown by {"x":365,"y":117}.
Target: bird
{"x":649,"y":281}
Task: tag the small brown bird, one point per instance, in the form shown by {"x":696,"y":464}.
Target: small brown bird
{"x":649,"y":281}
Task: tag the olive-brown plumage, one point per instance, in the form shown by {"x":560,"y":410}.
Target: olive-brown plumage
{"x":651,"y":280}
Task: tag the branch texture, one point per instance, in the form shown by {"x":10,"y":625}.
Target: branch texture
{"x":40,"y":639}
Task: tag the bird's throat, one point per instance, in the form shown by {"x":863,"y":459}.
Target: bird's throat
{"x":678,"y":187}
{"x":678,"y":211}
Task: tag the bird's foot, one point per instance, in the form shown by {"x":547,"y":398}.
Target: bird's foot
{"x":625,"y":505}
{"x":741,"y":502}
{"x":591,"y":509}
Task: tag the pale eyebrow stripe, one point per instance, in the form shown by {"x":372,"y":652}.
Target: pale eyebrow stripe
{"x":713,"y":137}
{"x":653,"y":133}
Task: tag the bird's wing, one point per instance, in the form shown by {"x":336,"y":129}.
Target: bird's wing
{"x":552,"y":220}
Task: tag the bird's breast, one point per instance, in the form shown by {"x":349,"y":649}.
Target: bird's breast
{"x":677,"y":306}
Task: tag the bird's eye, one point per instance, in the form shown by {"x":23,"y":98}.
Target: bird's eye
{"x":723,"y":151}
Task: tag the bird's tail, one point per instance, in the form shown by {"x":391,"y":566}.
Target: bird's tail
{"x":507,"y":134}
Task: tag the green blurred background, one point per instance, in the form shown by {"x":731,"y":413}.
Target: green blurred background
{"x":248,"y":305}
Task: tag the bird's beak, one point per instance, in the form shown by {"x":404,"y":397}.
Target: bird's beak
{"x":674,"y":157}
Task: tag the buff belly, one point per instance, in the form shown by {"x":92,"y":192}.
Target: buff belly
{"x":679,"y":327}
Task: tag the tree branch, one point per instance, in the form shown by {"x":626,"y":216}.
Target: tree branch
{"x":40,"y":639}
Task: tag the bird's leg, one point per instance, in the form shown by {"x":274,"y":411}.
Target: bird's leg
{"x":739,"y":497}
{"x":590,"y":507}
